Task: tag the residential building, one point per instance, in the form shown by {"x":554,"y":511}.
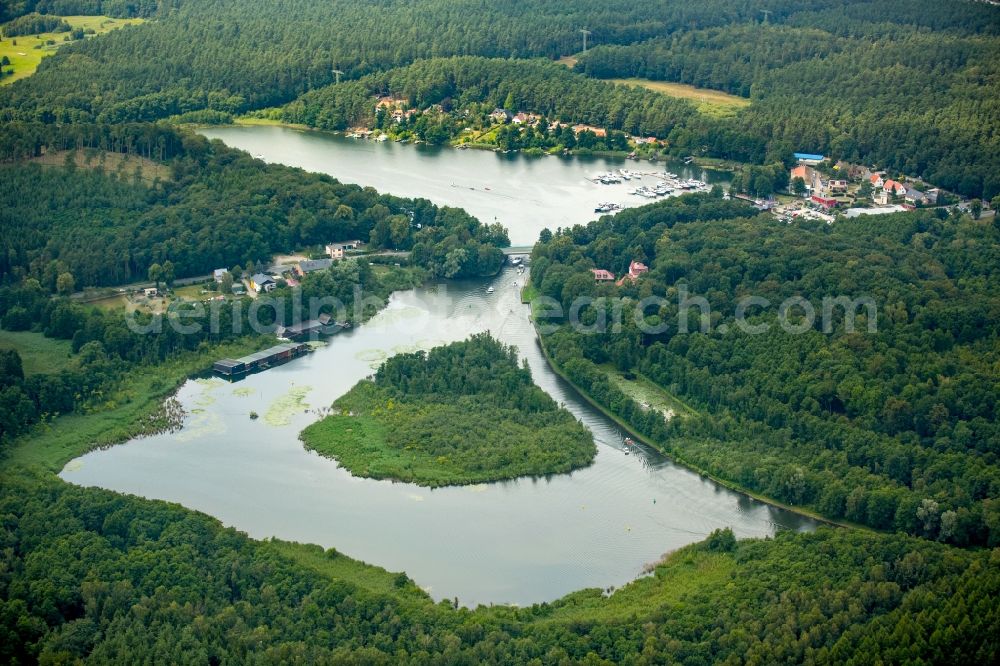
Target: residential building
{"x":601,"y":275}
{"x":219,"y":273}
{"x":824,"y":202}
{"x":836,"y":186}
{"x":333,"y":249}
{"x":500,"y":115}
{"x":261,"y":283}
{"x":894,"y":188}
{"x":915,"y":197}
{"x":312,"y":265}
{"x":635,"y":270}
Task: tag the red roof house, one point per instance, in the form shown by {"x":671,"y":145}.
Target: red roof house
{"x":601,"y":275}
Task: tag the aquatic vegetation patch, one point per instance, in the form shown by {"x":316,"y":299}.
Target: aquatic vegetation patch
{"x":281,"y":410}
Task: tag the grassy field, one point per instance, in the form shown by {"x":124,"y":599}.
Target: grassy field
{"x":38,"y":353}
{"x":710,"y":102}
{"x":335,"y":566}
{"x":117,"y":163}
{"x":679,"y":575}
{"x":648,"y":394}
{"x":26,"y":51}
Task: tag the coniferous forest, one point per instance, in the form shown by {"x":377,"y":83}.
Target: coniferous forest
{"x":882,"y":423}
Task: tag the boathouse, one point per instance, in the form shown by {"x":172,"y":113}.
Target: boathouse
{"x":232,"y":367}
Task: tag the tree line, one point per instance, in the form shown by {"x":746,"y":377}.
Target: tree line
{"x":895,"y":428}
{"x":219,"y":207}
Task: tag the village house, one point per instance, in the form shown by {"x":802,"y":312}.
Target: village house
{"x":811,"y":177}
{"x":312,"y":265}
{"x":261,"y":283}
{"x":601,"y":275}
{"x":824,"y":202}
{"x":530,"y":119}
{"x":500,"y":115}
{"x":635,"y":270}
{"x":836,"y":186}
{"x":876,"y":181}
{"x":648,"y":140}
{"x":338,"y":250}
{"x":895,"y":188}
{"x":219,"y":273}
{"x":915,"y":197}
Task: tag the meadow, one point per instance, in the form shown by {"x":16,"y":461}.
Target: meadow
{"x":26,"y":51}
{"x":711,"y":102}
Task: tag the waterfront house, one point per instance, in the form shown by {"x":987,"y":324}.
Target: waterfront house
{"x":500,"y":115}
{"x":601,"y":275}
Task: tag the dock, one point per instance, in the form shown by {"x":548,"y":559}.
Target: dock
{"x":234,"y":367}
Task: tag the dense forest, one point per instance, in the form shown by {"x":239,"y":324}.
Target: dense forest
{"x":218,"y":207}
{"x":462,"y":413}
{"x":32,"y":24}
{"x":894,"y":428}
{"x":94,"y":575}
{"x":12,"y":9}
{"x":909,"y":86}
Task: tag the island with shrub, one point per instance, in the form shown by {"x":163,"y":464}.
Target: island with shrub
{"x":463,"y":413}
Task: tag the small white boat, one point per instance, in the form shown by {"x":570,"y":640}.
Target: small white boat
{"x":490,"y":290}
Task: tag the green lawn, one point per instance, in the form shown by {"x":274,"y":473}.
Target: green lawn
{"x":680,"y":574}
{"x":648,"y":394}
{"x":28,"y":51}
{"x":38,"y":353}
{"x":710,"y":102}
{"x":335,"y":566}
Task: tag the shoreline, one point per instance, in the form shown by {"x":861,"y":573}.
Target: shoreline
{"x":590,"y":400}
{"x":723,"y":166}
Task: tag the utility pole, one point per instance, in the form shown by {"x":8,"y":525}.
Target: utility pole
{"x":766,"y":13}
{"x":337,"y":73}
{"x":585,"y":33}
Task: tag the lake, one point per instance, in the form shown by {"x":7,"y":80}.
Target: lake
{"x":524,"y":193}
{"x":521,"y":541}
